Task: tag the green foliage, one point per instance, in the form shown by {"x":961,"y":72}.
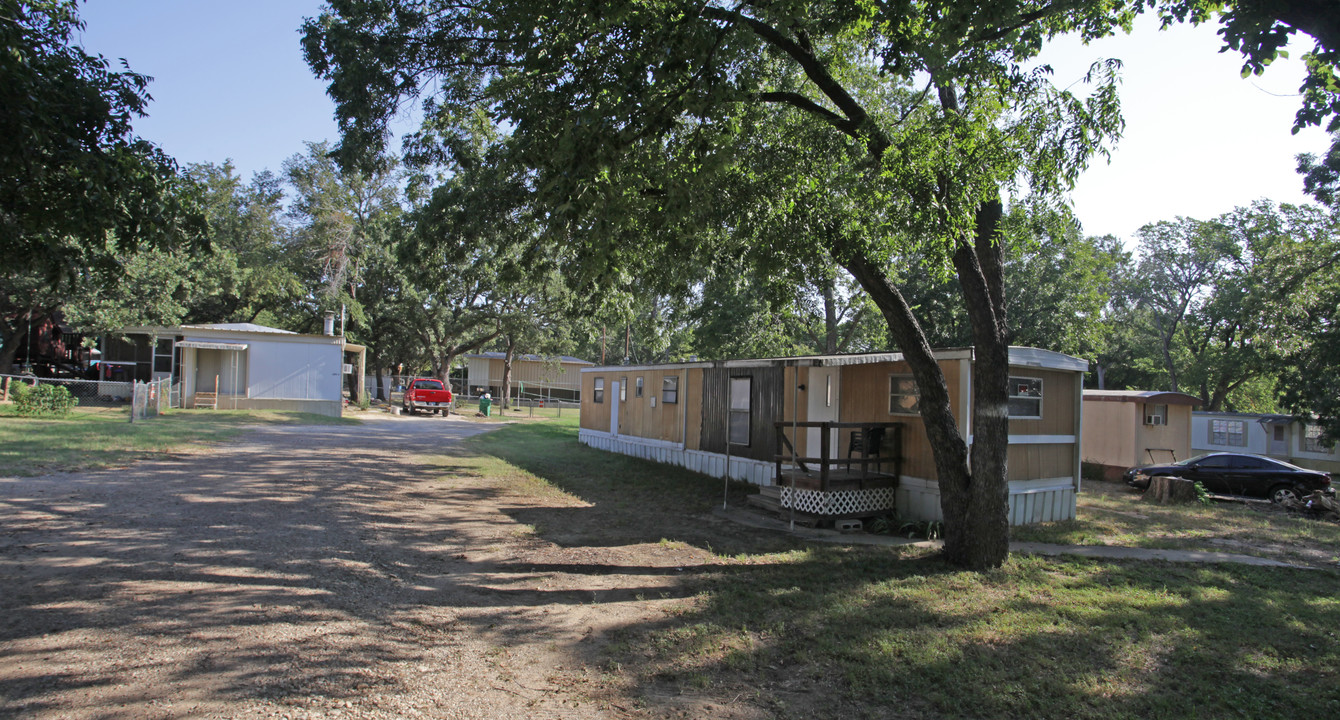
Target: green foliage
{"x":1203,"y":495}
{"x":76,"y":187}
{"x":43,"y":400}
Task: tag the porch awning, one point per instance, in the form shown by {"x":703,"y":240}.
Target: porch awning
{"x":202,"y":345}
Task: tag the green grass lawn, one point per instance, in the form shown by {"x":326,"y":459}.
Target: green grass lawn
{"x":91,"y":438}
{"x":876,"y":632}
{"x":1108,"y":516}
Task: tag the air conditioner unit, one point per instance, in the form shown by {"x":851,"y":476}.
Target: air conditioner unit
{"x":346,"y":368}
{"x":1153,"y":419}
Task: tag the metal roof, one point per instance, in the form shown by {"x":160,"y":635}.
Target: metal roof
{"x":532,"y":357}
{"x":1160,"y":397}
{"x":1019,"y":356}
{"x":240,"y":327}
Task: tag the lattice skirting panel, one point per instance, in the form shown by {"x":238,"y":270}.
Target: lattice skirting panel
{"x":840,"y":502}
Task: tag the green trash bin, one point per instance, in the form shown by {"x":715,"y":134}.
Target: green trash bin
{"x":485,"y":406}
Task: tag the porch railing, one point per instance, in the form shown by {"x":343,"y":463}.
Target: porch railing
{"x":891,"y":449}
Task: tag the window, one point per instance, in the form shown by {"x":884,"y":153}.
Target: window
{"x":1025,"y":397}
{"x":637,"y":393}
{"x":623,"y":389}
{"x":739,"y":410}
{"x":828,"y":391}
{"x":1312,"y":441}
{"x":1156,"y":414}
{"x":1228,"y":432}
{"x":670,"y":389}
{"x":903,"y":395}
{"x":599,"y":394}
{"x":427,"y":385}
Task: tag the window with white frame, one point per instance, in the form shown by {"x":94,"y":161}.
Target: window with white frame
{"x":638,"y":391}
{"x":670,"y":389}
{"x":623,"y":389}
{"x":1228,"y":432}
{"x":739,"y":410}
{"x":1156,"y":414}
{"x":1025,"y":397}
{"x":1313,"y":443}
{"x":599,"y":394}
{"x":903,"y":396}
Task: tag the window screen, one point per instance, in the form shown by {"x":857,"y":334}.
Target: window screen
{"x":1025,"y":397}
{"x":903,"y":395}
{"x":599,"y":394}
{"x":670,"y":389}
{"x":739,"y":410}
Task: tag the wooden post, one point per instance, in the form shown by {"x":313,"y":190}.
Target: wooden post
{"x":825,"y":449}
{"x":5,"y":394}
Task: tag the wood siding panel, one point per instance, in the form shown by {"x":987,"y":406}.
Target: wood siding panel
{"x":766,"y":408}
{"x":1058,"y":403}
{"x":647,"y":416}
{"x":1037,"y":462}
{"x":595,"y":416}
{"x":865,"y":398}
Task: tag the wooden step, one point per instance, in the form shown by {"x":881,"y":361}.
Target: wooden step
{"x":206,"y":399}
{"x":763,"y":502}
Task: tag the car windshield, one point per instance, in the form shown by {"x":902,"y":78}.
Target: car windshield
{"x":427,"y":384}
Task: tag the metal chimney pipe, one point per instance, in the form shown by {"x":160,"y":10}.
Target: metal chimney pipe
{"x":330,"y":323}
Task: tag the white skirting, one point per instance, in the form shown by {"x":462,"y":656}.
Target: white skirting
{"x":757,"y":472}
{"x":1031,"y":501}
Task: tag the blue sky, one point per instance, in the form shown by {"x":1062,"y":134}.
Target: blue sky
{"x":230,"y":82}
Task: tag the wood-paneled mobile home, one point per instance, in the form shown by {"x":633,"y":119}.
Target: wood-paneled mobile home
{"x":838,"y":435}
{"x":1126,"y":428}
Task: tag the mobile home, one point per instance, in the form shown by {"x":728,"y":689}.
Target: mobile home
{"x":806,"y":424}
{"x":1126,"y":428}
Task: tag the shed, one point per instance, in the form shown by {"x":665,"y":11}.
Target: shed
{"x":1126,"y":428}
{"x":793,"y":424}
{"x":246,"y":366}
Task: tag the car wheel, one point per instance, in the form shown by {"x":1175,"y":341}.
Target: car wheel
{"x":1282,"y":492}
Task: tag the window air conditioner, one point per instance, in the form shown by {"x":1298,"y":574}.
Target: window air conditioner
{"x":1153,"y":419}
{"x":347,"y":368}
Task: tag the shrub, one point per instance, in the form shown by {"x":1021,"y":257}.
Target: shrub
{"x":43,"y":400}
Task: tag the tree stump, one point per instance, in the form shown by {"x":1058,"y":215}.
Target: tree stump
{"x":1166,"y":490}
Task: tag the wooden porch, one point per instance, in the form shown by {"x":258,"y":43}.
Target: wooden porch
{"x":830,"y":486}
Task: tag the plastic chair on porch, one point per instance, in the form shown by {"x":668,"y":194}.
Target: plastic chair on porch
{"x":867,"y":441}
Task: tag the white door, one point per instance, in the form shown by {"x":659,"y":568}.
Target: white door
{"x":822,"y":390}
{"x":1279,"y":443}
{"x":614,"y":407}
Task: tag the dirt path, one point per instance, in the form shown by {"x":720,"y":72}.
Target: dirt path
{"x":324,"y":571}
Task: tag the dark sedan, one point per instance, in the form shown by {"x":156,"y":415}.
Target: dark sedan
{"x":1235,"y":474}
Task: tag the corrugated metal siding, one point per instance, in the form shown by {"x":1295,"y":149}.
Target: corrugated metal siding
{"x":766,"y":407}
{"x":295,"y":370}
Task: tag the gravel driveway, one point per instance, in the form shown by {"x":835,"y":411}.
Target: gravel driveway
{"x":310,"y":571}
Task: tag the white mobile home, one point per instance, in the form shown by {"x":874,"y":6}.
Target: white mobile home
{"x":1283,"y":437}
{"x":243,"y":365}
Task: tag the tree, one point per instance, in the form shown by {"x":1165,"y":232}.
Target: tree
{"x":625,"y":109}
{"x":74,"y":181}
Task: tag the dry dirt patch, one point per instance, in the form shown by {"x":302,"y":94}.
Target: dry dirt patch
{"x":320,"y":571}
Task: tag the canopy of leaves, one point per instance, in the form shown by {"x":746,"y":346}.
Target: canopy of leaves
{"x":73,"y":177}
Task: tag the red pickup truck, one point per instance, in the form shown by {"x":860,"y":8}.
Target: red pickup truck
{"x":427,"y":394}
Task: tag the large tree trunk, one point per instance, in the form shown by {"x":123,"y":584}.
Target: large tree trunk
{"x":830,"y":319}
{"x":507,"y":373}
{"x":974,"y":496}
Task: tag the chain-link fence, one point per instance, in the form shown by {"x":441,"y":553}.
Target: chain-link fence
{"x":144,"y":399}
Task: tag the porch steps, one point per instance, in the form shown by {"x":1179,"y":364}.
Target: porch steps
{"x":206,"y":399}
{"x":769,"y":498}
